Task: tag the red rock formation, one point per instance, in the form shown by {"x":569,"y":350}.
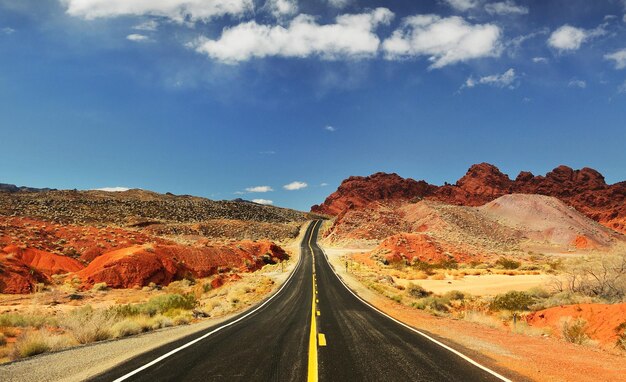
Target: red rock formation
{"x":17,"y":277}
{"x":47,"y":263}
{"x":141,"y":265}
{"x":358,"y":191}
{"x":585,"y":190}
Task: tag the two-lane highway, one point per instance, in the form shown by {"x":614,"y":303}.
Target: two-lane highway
{"x":313,"y":328}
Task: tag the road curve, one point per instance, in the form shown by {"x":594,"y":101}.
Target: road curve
{"x":313,"y":328}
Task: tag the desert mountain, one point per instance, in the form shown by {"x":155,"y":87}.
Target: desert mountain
{"x":584,"y":189}
{"x":511,"y":224}
{"x":133,"y":238}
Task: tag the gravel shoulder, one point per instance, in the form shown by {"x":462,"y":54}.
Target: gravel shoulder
{"x":82,"y":362}
{"x":532,"y":358}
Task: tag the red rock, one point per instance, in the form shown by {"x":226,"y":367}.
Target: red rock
{"x":45,"y":262}
{"x":358,"y":191}
{"x":162,"y":264}
{"x":17,"y":277}
{"x":585,"y":190}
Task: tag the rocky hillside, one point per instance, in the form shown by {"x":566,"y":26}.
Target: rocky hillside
{"x":135,"y":208}
{"x":585,"y":190}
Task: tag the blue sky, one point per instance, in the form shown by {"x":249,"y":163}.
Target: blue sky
{"x":214,"y":97}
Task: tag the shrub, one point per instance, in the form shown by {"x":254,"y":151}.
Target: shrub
{"x":416,"y":291}
{"x":163,"y":303}
{"x":23,"y":320}
{"x":127,"y":327}
{"x":88,"y":325}
{"x":454,"y":295}
{"x":508,"y":263}
{"x":3,"y":339}
{"x":100,"y":286}
{"x":574,"y":331}
{"x":435,"y":304}
{"x":31,"y":343}
{"x":512,"y":300}
{"x":621,"y":335}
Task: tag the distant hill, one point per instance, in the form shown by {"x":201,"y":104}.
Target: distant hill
{"x":135,"y":207}
{"x":4,"y":187}
{"x":584,"y":189}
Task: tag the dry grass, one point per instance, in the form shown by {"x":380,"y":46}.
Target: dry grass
{"x":482,"y":319}
{"x":39,"y":341}
{"x":87,"y":325}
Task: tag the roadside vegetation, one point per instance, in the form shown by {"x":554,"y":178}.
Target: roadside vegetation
{"x":37,"y":330}
{"x":599,"y":280}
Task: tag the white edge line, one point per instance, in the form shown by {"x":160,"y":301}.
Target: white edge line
{"x":458,"y":353}
{"x":166,"y":355}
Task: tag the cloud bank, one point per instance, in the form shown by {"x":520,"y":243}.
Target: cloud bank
{"x":444,"y":41}
{"x":351,"y":36}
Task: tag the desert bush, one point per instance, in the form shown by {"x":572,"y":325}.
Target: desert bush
{"x":100,"y":286}
{"x":416,"y":291}
{"x":508,"y":263}
{"x":434,"y":304}
{"x":156,"y":305}
{"x":621,"y":335}
{"x":538,"y":292}
{"x":35,"y":320}
{"x":31,"y":343}
{"x":163,"y":303}
{"x":454,"y":295}
{"x":3,"y":339}
{"x":513,"y":300}
{"x":574,"y":331}
{"x":125,"y":328}
{"x":603,"y":277}
{"x":87,"y":325}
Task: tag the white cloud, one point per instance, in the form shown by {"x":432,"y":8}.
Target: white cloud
{"x":618,"y":57}
{"x":622,"y":88}
{"x":540,"y":60}
{"x":462,"y":5}
{"x":504,"y":80}
{"x":569,"y":38}
{"x":624,"y":18}
{"x":330,"y":128}
{"x":112,"y":189}
{"x":445,"y":41}
{"x":239,"y":193}
{"x":137,"y":37}
{"x":268,"y":152}
{"x":577,"y":84}
{"x":351,"y":36}
{"x":260,"y":189}
{"x":295,"y":186}
{"x":147,"y":26}
{"x":282,"y":8}
{"x":266,"y":202}
{"x":323,"y":184}
{"x":339,"y":4}
{"x":8,"y":30}
{"x":177,"y":10}
{"x":506,"y":8}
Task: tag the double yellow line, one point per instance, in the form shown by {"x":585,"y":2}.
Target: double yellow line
{"x":312,"y":374}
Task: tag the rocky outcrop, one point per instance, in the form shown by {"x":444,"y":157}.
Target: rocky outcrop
{"x":141,"y":265}
{"x":358,"y":191}
{"x":584,"y":189}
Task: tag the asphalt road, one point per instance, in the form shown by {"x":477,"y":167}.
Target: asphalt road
{"x":278,"y":340}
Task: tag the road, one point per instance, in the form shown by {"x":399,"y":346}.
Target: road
{"x":313,"y":329}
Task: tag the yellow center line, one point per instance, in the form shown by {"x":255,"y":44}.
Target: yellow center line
{"x":312,"y":374}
